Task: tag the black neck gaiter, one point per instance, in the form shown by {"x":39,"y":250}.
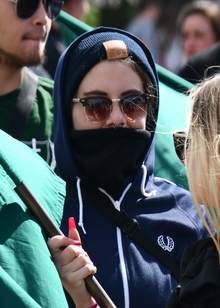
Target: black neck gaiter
{"x":108,"y":158}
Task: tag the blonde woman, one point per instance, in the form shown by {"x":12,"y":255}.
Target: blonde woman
{"x":200,"y":280}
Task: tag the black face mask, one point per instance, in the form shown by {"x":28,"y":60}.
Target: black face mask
{"x":108,"y":158}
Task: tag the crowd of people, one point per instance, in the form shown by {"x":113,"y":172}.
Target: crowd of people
{"x":146,"y":240}
{"x":177,"y":36}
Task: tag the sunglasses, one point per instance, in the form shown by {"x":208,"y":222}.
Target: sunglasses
{"x":98,"y":109}
{"x":179,"y":139}
{"x":26,"y":8}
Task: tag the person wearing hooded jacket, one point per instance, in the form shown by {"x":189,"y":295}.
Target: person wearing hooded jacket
{"x":106,"y":99}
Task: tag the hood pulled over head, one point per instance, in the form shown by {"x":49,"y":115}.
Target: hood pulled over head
{"x":84,"y":53}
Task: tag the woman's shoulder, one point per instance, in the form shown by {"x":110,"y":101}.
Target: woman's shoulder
{"x":196,"y":248}
{"x":200,"y":277}
{"x":197,"y":254}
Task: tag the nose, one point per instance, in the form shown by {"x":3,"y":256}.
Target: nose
{"x":40,"y":17}
{"x":190,"y":41}
{"x":117,"y":117}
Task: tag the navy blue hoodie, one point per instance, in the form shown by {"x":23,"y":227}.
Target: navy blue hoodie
{"x":130,"y":275}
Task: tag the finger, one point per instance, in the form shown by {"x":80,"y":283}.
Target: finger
{"x":69,"y":254}
{"x":56,"y":244}
{"x":73,"y":232}
{"x":77,"y":269}
{"x":74,"y":282}
{"x":77,"y":276}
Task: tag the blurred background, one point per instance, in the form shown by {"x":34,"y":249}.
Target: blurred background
{"x":154,"y":21}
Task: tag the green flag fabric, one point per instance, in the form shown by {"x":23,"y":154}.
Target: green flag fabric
{"x":172,"y":113}
{"x":28,"y":277}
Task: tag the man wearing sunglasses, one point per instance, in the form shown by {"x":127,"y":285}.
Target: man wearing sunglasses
{"x":56,"y":43}
{"x":26,"y":100}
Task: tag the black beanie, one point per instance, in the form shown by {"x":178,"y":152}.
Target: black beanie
{"x":88,"y":50}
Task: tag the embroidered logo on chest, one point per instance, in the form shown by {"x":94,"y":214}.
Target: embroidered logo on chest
{"x":169,"y":245}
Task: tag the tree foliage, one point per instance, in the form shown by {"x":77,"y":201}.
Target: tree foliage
{"x":115,"y":13}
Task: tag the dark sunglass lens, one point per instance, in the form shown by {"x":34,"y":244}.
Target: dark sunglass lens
{"x":53,"y":8}
{"x":26,"y":8}
{"x":179,"y":144}
{"x":97,"y":109}
{"x":135,"y":107}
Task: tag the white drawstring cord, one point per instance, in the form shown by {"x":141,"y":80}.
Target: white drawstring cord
{"x":143,"y":182}
{"x":80,"y":223}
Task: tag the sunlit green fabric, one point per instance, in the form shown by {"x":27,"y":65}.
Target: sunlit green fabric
{"x":28,"y":277}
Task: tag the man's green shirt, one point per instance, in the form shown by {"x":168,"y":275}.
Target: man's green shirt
{"x":38,"y":133}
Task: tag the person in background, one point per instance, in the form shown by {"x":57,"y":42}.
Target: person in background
{"x":202,"y":65}
{"x":26,"y":102}
{"x":55,"y":44}
{"x":199,"y":24}
{"x":155,"y":24}
{"x":77,"y":8}
{"x":200,"y":274}
{"x":106,"y":99}
{"x":144,"y":26}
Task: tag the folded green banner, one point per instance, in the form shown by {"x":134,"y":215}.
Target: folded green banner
{"x":33,"y":281}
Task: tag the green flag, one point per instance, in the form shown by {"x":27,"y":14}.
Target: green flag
{"x":30,"y":281}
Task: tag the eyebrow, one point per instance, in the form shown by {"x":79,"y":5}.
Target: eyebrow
{"x":102,"y":93}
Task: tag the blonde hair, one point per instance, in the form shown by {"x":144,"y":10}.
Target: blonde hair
{"x":203,"y":153}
